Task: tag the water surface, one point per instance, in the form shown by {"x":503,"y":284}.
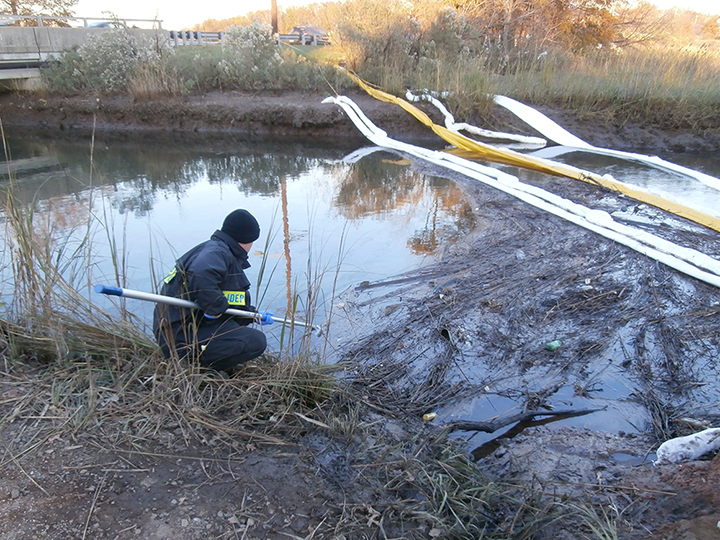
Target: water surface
{"x":328,"y":219}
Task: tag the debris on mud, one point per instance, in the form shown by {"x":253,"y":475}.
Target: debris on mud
{"x":466,"y":338}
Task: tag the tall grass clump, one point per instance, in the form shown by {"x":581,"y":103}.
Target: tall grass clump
{"x":439,"y":52}
{"x":384,"y":43}
{"x":673,"y":87}
{"x":47,"y":316}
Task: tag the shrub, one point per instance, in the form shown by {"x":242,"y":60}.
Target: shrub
{"x":105,"y":63}
{"x":250,"y":56}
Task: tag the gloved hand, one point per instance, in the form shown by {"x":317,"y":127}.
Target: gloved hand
{"x":266,"y":318}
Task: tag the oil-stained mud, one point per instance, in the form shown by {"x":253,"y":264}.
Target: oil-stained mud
{"x":466,"y":337}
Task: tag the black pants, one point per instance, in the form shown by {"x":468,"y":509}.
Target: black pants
{"x":220,"y":344}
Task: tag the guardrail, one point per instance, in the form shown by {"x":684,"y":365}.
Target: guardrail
{"x":5,"y":18}
{"x":194,"y":37}
{"x":303,"y":39}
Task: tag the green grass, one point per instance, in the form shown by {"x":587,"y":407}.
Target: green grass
{"x":322,"y":54}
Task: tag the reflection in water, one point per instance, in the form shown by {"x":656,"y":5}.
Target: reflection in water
{"x":155,"y":201}
{"x":374,"y":187}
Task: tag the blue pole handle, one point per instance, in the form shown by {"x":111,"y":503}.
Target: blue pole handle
{"x":109,"y":290}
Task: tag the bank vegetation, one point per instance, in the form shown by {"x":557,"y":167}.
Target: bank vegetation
{"x":608,"y":60}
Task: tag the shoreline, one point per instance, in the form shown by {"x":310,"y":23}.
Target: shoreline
{"x":297,"y":115}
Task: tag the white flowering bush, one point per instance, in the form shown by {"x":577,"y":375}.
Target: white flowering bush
{"x":106,"y":62}
{"x":255,"y":41}
{"x":250,"y":56}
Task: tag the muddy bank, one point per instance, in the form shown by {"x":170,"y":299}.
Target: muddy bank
{"x":299,"y":115}
{"x":466,"y":338}
{"x":217,"y":114}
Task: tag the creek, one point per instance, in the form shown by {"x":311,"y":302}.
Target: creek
{"x":328,"y":220}
{"x":332,"y":217}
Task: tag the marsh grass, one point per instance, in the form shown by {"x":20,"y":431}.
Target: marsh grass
{"x":154,"y":80}
{"x":671,"y":86}
{"x":601,"y":523}
{"x":46,"y":316}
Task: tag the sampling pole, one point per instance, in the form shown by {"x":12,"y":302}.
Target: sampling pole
{"x":179,"y":302}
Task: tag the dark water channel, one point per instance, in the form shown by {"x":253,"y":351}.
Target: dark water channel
{"x":331,"y":218}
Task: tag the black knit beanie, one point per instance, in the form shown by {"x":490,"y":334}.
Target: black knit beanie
{"x":241,"y":226}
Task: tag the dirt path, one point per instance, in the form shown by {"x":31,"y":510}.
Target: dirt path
{"x":473,"y":326}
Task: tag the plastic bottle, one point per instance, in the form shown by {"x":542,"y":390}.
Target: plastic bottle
{"x":554,"y":345}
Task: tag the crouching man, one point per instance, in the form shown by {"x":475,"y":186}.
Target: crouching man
{"x":212,"y":275}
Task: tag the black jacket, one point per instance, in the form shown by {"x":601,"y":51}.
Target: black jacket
{"x":210,"y":274}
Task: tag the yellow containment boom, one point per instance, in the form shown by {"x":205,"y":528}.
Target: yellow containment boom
{"x":508,"y":157}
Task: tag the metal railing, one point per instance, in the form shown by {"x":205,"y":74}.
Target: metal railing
{"x":6,"y":18}
{"x":176,"y":38}
{"x":303,"y":39}
{"x":194,"y":37}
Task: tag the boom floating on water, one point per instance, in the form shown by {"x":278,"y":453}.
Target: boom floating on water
{"x":515,"y":159}
{"x":689,"y":261}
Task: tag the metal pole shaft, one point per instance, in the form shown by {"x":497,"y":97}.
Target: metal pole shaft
{"x":179,"y":302}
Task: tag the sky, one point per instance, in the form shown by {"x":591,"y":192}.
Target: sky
{"x":179,"y":14}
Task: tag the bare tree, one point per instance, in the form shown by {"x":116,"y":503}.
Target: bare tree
{"x":56,"y":8}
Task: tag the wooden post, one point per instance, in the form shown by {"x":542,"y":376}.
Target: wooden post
{"x":274,"y":16}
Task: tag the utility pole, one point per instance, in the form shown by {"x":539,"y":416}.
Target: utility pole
{"x":274,"y":16}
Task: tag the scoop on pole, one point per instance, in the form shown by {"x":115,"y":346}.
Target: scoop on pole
{"x":179,"y":302}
